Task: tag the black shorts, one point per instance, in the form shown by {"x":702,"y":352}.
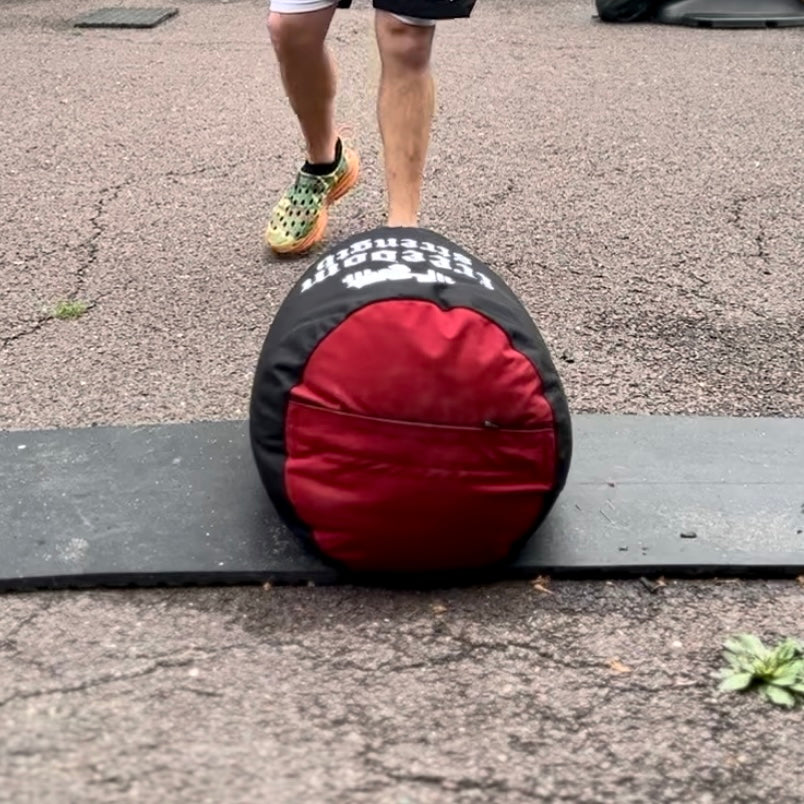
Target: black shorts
{"x":423,"y":9}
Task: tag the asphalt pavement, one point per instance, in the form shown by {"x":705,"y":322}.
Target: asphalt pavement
{"x":641,"y":187}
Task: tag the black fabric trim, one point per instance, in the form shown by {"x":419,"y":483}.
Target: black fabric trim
{"x":428,"y":9}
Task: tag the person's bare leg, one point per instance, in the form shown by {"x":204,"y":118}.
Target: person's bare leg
{"x":309,"y":76}
{"x":405,"y":112}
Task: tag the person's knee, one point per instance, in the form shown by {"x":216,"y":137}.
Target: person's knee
{"x":402,"y":44}
{"x":294,"y":32}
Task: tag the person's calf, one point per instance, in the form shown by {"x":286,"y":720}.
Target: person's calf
{"x":405,"y":111}
{"x":308,"y":76}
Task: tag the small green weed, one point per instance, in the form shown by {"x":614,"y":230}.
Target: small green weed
{"x":775,"y":673}
{"x":69,"y":309}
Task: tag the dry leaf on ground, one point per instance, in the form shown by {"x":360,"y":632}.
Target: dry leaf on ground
{"x":616,"y":666}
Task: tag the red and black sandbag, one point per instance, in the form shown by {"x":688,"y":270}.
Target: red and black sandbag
{"x":406,"y":415}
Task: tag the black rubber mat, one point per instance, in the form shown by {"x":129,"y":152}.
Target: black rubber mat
{"x":733,"y":13}
{"x":125,"y":17}
{"x":182,"y":504}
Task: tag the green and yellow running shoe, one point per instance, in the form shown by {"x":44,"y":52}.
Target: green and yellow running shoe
{"x":299,"y":219}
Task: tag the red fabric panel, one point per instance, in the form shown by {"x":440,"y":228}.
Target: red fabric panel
{"x":411,"y":360}
{"x":385,"y":495}
{"x":388,"y":459}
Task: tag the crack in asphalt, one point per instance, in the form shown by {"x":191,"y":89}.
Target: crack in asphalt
{"x":201,"y":691}
{"x":8,"y":638}
{"x":464,"y":648}
{"x":737,"y":209}
{"x":204,"y":650}
{"x":19,"y":625}
{"x":391,"y":775}
{"x":91,"y":244}
{"x":459,"y":784}
{"x":157,"y":661}
{"x":8,"y":339}
{"x":99,"y":681}
{"x":762,"y":252}
{"x":106,"y":196}
{"x":171,"y":174}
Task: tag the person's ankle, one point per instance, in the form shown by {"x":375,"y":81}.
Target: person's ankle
{"x":323,"y":168}
{"x":405,"y":221}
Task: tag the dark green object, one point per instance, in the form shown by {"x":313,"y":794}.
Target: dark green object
{"x":125,"y":17}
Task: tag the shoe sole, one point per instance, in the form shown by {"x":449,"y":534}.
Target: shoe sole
{"x":316,"y":234}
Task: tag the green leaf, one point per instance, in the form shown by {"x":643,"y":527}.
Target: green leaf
{"x":793,"y":669}
{"x":734,"y":661}
{"x":732,"y":645}
{"x":784,"y":679}
{"x":797,"y":687}
{"x":796,"y":667}
{"x":753,"y":644}
{"x":736,"y":681}
{"x":746,"y":643}
{"x":784,"y":652}
{"x":741,"y":662}
{"x":779,"y":695}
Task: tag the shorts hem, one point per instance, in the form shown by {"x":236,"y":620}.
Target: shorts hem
{"x":392,"y":7}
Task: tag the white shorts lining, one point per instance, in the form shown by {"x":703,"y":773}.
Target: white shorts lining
{"x":302,"y":6}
